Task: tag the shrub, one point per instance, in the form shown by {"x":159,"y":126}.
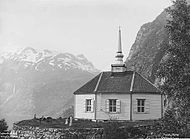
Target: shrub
{"x":3,"y":126}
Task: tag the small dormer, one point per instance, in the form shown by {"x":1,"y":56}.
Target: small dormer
{"x":119,"y":65}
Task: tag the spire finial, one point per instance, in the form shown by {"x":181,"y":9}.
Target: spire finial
{"x":119,"y":65}
{"x":119,"y":55}
{"x":119,"y":42}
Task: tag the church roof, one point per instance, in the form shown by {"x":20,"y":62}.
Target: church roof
{"x":118,"y":82}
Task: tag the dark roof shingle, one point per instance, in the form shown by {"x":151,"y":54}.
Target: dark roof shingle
{"x":115,"y":82}
{"x":89,"y":87}
{"x":110,"y":82}
{"x":141,"y":84}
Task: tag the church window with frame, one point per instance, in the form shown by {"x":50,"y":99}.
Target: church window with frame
{"x":88,"y":105}
{"x":112,"y":105}
{"x":141,"y":105}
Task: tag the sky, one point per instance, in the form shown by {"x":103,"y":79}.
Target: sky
{"x":88,"y":27}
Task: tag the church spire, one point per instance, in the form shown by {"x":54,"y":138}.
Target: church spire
{"x":119,"y":41}
{"x":119,"y":65}
{"x":119,"y":55}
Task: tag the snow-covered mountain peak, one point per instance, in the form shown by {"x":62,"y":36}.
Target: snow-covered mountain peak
{"x":49,"y":60}
{"x":81,"y":56}
{"x":29,"y":50}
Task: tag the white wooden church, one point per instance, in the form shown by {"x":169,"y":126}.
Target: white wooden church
{"x":118,"y":94}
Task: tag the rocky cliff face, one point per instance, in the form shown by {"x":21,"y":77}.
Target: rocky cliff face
{"x":40,"y":82}
{"x":149,"y":47}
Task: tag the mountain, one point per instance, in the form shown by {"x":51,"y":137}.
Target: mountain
{"x":40,"y":82}
{"x":149,"y":47}
{"x":31,"y":58}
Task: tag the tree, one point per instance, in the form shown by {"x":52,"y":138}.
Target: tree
{"x":175,"y":68}
{"x":3,"y":126}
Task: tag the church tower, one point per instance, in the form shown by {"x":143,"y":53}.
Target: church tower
{"x":119,"y":65}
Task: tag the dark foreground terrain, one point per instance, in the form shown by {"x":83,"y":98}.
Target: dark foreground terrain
{"x":86,"y":129}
